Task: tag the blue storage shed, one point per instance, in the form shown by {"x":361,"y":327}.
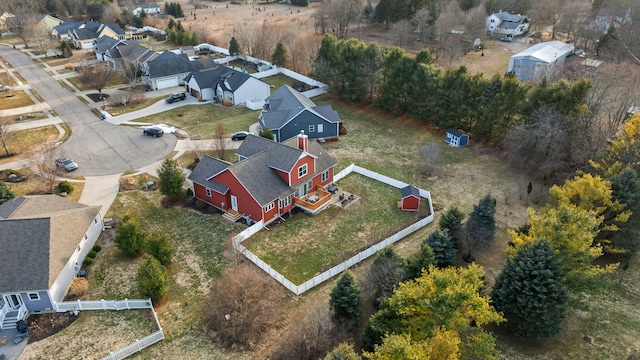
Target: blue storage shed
{"x":456,"y":138}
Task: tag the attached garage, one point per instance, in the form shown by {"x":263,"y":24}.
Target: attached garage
{"x":167,"y":82}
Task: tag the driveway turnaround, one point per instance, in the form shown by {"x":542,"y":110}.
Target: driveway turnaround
{"x":98,"y":147}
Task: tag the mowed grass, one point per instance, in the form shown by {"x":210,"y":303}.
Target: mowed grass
{"x":23,"y":141}
{"x":119,"y":110}
{"x":199,"y":120}
{"x":18,"y":99}
{"x":305,"y":245}
{"x":277,"y":81}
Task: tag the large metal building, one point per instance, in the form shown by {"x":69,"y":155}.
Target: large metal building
{"x":539,"y":61}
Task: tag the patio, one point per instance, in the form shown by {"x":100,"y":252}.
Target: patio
{"x":10,"y":349}
{"x":314,"y":201}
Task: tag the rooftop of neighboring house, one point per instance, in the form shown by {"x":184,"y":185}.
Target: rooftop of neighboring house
{"x":286,"y":102}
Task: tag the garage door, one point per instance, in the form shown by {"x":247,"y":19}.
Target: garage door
{"x":167,"y":83}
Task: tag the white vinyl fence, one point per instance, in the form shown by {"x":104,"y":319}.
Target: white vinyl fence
{"x":328,"y":274}
{"x":125,"y":304}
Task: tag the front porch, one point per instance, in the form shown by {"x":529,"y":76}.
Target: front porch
{"x":314,"y":201}
{"x":9,"y":316}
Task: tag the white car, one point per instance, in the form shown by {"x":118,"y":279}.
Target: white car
{"x":67,"y":163}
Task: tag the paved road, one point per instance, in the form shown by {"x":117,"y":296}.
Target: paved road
{"x":98,"y":147}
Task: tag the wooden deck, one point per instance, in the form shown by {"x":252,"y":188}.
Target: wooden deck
{"x":314,"y":200}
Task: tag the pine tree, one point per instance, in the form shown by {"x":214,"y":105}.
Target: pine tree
{"x":279,"y":57}
{"x":234,"y":47}
{"x":171,"y":179}
{"x":387,"y":271}
{"x":5,"y":193}
{"x":130,"y":238}
{"x":625,"y":188}
{"x":159,"y":247}
{"x":171,"y":24}
{"x":345,"y":301}
{"x":266,"y":133}
{"x":152,"y":278}
{"x":481,"y":226}
{"x":451,"y":220}
{"x":444,"y":251}
{"x":530,"y":291}
{"x":423,"y":259}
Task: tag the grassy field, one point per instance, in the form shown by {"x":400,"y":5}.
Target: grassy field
{"x":23,"y":141}
{"x":199,"y":120}
{"x":18,"y":98}
{"x":129,"y":108}
{"x":278,"y":80}
{"x":11,"y":39}
{"x":305,"y":245}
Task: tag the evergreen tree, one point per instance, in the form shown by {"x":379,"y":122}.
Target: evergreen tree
{"x":625,"y":188}
{"x":451,"y":220}
{"x":345,"y":301}
{"x":423,"y":259}
{"x":266,"y":133}
{"x":171,"y":24}
{"x":481,"y":226}
{"x":171,"y":179}
{"x":66,"y":49}
{"x":530,"y":291}
{"x":5,"y":193}
{"x":159,"y":247}
{"x":130,"y":238}
{"x":279,"y":57}
{"x":153,"y":280}
{"x":194,"y":39}
{"x":444,"y":251}
{"x":234,"y":47}
{"x":387,"y":271}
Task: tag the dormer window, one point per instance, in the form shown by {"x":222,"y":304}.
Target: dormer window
{"x":302,"y":171}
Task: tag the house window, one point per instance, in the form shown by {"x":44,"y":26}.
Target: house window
{"x":95,"y":221}
{"x":34,"y":296}
{"x":312,"y":128}
{"x":325,"y":176}
{"x":302,"y":171}
{"x":493,"y":20}
{"x":269,"y":207}
{"x":285,"y":202}
{"x":320,"y":128}
{"x":86,"y":237}
{"x":208,"y":192}
{"x":78,"y":248}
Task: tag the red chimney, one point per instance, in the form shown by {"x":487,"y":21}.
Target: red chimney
{"x":303,"y":141}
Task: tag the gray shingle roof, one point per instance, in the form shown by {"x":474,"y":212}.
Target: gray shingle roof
{"x":168,"y":63}
{"x":262,"y":182}
{"x":506,"y":16}
{"x":280,"y":157}
{"x":85,"y":34}
{"x":208,"y":167}
{"x":228,"y":78}
{"x":410,"y":190}
{"x":286,"y":103}
{"x":116,"y":28}
{"x":38,"y":237}
{"x":66,"y":26}
{"x":105,"y":43}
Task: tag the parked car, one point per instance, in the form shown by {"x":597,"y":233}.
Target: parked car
{"x":153,"y":131}
{"x":67,"y":163}
{"x":175,"y":97}
{"x":4,"y":88}
{"x":240,"y":135}
{"x":507,"y":38}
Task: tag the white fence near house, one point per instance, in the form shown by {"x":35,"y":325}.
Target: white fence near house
{"x":266,"y":73}
{"x":328,"y":274}
{"x":125,"y":304}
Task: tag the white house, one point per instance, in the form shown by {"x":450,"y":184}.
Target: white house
{"x":504,"y":23}
{"x":149,"y":9}
{"x":222,"y":82}
{"x":44,"y":240}
{"x":539,"y":61}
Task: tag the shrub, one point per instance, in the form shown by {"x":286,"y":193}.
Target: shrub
{"x":130,"y":238}
{"x":68,"y":66}
{"x":79,"y":286}
{"x":226,"y":102}
{"x":158,"y":246}
{"x":152,"y":279}
{"x":91,"y":254}
{"x":65,"y":187}
{"x":87,"y":261}
{"x":96,"y":248}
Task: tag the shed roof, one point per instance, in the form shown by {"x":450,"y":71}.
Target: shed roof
{"x":410,"y":190}
{"x":455,"y":132}
{"x":547,"y":52}
{"x":39,"y":235}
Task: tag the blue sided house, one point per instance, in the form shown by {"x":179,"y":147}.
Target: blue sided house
{"x":456,"y":138}
{"x":287,"y":112}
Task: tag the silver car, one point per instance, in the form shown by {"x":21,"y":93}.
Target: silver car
{"x":67,"y":163}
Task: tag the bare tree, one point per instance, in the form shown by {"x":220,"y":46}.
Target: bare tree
{"x":43,"y":161}
{"x":130,"y":70}
{"x":341,"y":14}
{"x":220,"y":140}
{"x":421,"y":20}
{"x":40,"y":36}
{"x":404,"y":29}
{"x":22,"y":25}
{"x":6,"y":135}
{"x":97,"y":77}
{"x":548,"y":12}
{"x":110,"y":13}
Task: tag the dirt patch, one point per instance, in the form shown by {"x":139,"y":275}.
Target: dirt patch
{"x":45,"y":325}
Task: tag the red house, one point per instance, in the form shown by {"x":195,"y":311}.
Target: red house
{"x":410,"y":198}
{"x":268,"y":179}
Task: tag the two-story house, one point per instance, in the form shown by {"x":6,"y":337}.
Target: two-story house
{"x":269,"y":179}
{"x":504,"y":23}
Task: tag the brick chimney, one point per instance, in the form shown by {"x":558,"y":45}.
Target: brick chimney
{"x":303,"y":141}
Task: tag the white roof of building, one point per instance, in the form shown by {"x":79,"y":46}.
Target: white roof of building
{"x":547,"y":52}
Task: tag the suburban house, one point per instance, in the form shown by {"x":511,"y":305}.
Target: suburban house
{"x":540,"y":60}
{"x":269,"y":179}
{"x":287,"y":112}
{"x":605,"y":18}
{"x":221,"y":83}
{"x":410,"y":198}
{"x":44,"y":240}
{"x":168,"y":69}
{"x":62,"y":31}
{"x":129,"y":52}
{"x":84,"y":37}
{"x":456,"y":138}
{"x":42,"y":21}
{"x":504,"y":23}
{"x":102,"y":45}
{"x":149,"y":9}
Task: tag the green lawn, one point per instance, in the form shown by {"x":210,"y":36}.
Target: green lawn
{"x":199,"y":120}
{"x":135,"y":107}
{"x":305,"y":245}
{"x":278,"y":80}
{"x":11,"y":39}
